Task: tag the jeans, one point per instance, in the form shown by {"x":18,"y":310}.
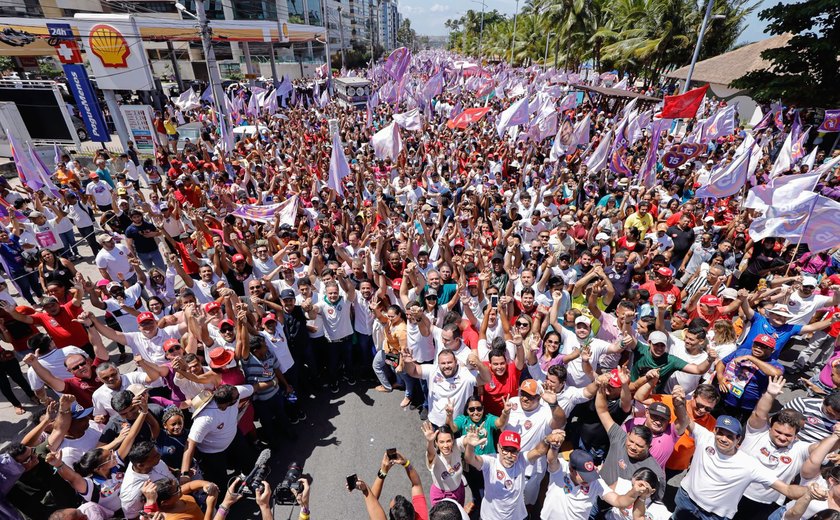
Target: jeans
{"x":749,"y":509}
{"x":383,"y":370}
{"x":687,"y":510}
{"x":70,"y":248}
{"x":238,"y":456}
{"x":412,"y":384}
{"x":152,"y":259}
{"x":27,"y":282}
{"x":89,"y":234}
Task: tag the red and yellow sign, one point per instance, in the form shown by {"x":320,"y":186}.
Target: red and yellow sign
{"x":109,"y":45}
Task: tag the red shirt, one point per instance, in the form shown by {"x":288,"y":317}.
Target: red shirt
{"x":670,"y":291}
{"x":470,"y":337}
{"x":499,"y":388}
{"x":61,"y":328}
{"x":82,"y":389}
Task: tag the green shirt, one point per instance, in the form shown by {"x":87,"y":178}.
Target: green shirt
{"x":667,"y":365}
{"x":486,"y":430}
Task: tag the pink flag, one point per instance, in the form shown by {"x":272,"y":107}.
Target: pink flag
{"x":27,"y":171}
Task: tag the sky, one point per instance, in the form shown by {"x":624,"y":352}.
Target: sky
{"x":428,"y":16}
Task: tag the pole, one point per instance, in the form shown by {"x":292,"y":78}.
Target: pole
{"x":210,"y":56}
{"x":341,"y":36}
{"x":481,"y":34}
{"x":545,"y":56}
{"x":326,"y":37}
{"x":370,"y":30}
{"x":175,"y":68}
{"x":703,"y":25}
{"x":116,"y":117}
{"x":249,"y":65}
{"x":513,"y":45}
{"x":273,"y":65}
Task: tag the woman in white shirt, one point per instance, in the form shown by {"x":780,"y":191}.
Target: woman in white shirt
{"x":444,"y":461}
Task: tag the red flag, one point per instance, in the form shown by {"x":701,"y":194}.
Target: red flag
{"x":467,"y":117}
{"x":684,"y":105}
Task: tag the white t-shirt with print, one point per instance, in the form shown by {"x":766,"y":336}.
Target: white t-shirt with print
{"x":566,"y":500}
{"x":503,"y":496}
{"x":213,"y":429}
{"x":782,"y":463}
{"x":457,"y":388}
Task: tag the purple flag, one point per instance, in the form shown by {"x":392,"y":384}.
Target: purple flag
{"x":433,"y":87}
{"x":516,"y":114}
{"x":339,"y":168}
{"x":720,"y":124}
{"x":598,"y":159}
{"x":831,"y":123}
{"x":397,"y":63}
{"x":647,"y":176}
{"x":728,"y":180}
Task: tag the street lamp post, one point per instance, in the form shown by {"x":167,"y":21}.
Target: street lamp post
{"x":706,"y":17}
{"x":545,"y":56}
{"x":513,"y":45}
{"x":481,"y":30}
{"x":209,"y":55}
{"x":341,"y":35}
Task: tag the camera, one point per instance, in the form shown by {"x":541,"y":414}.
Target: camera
{"x":284,"y":492}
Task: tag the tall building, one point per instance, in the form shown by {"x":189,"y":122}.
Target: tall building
{"x":389,"y":24}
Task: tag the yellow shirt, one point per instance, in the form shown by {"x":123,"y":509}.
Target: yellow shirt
{"x":171,"y":129}
{"x":639,"y":222}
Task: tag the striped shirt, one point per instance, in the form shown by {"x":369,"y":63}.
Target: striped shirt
{"x":261,"y":371}
{"x":818,"y":425}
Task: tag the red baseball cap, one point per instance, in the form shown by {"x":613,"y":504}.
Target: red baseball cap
{"x":615,"y":380}
{"x":711,"y":300}
{"x":510,"y":440}
{"x":835,"y":279}
{"x":664,"y":271}
{"x":766,"y":340}
{"x":145,"y":316}
{"x":212,"y":306}
{"x":472,"y":282}
{"x":227,"y":321}
{"x":396,"y":283}
{"x":238,"y":258}
{"x":168,"y":344}
{"x":269,"y":317}
{"x":459,"y":242}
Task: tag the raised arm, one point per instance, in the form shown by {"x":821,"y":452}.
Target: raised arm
{"x":761,"y":413}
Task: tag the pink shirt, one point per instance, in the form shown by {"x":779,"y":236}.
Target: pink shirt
{"x":662,"y":445}
{"x":825,"y":373}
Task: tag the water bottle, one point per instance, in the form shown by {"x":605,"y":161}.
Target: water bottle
{"x":292,"y":397}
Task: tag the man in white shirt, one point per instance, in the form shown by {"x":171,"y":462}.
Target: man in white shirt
{"x":114,"y":382}
{"x":773,"y":441}
{"x":101,"y":192}
{"x":148,"y":343}
{"x":114,"y":260}
{"x":448,"y":381}
{"x":214,"y":439}
{"x":575,"y":485}
{"x":144,"y":464}
{"x":338,"y":327}
{"x":533,"y":415}
{"x":504,"y":473}
{"x":720,"y":473}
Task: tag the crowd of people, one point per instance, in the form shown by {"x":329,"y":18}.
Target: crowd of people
{"x":576,"y":344}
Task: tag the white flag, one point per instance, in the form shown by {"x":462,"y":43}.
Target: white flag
{"x":339,"y":168}
{"x":728,"y":180}
{"x":784,"y":160}
{"x":387,"y":142}
{"x":598,"y":159}
{"x":410,"y":120}
{"x":514,"y":115}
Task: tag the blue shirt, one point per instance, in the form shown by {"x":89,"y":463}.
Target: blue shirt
{"x":761,"y":325}
{"x":12,"y":253}
{"x":757,"y":384}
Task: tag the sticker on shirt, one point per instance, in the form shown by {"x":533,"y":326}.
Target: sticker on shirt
{"x":528,"y":424}
{"x":221,"y":426}
{"x":45,"y":239}
{"x":710,"y":450}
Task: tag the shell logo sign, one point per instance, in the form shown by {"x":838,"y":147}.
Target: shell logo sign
{"x":109,"y":45}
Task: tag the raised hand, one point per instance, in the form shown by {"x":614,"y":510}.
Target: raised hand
{"x":428,"y":431}
{"x":678,"y":394}
{"x":776,"y":385}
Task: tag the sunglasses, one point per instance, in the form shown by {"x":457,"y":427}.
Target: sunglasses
{"x":77,"y":367}
{"x":226,"y":329}
{"x":522,"y":324}
{"x":28,"y":459}
{"x":475,"y":408}
{"x":173,"y":348}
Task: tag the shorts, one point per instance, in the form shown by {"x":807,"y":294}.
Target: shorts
{"x":172,"y":137}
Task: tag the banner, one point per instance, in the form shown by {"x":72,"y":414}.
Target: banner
{"x":86,"y":102}
{"x":115,"y":51}
{"x":683,"y":106}
{"x":266,"y":214}
{"x":139,"y":122}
